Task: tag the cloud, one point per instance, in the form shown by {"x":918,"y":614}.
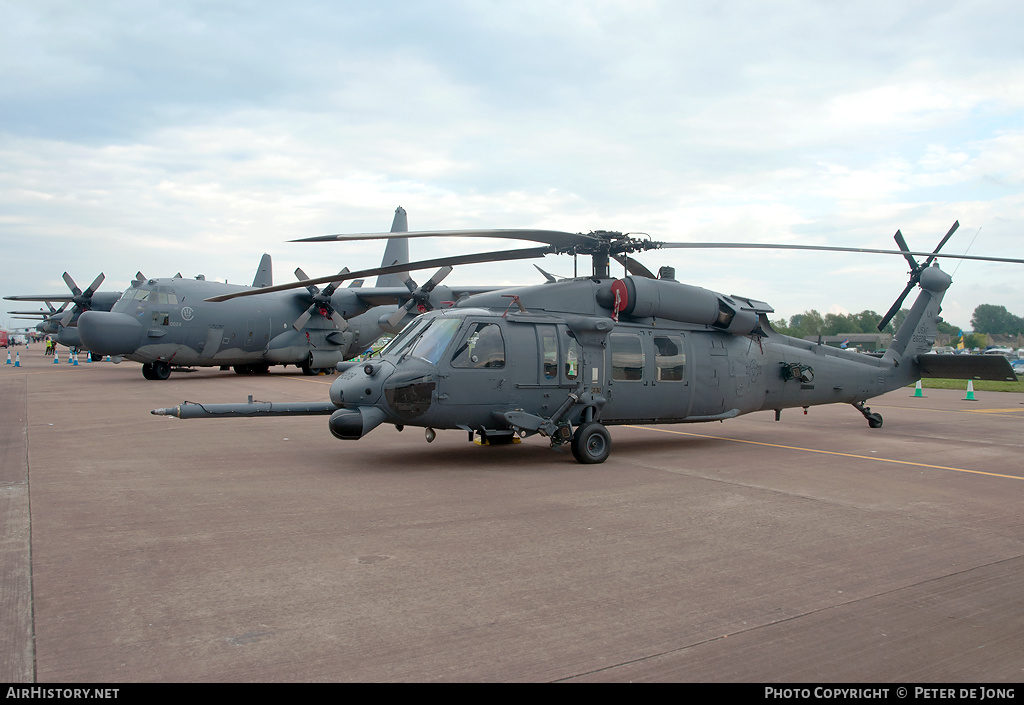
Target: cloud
{"x":193,"y":136}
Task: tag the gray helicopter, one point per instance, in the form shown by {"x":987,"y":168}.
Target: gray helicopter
{"x":568,"y":358}
{"x":168,"y":323}
{"x":62,"y":323}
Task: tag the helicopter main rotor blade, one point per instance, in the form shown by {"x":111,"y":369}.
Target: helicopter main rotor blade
{"x":634,"y":267}
{"x":558,"y":238}
{"x":819,"y":248}
{"x":617,"y":242}
{"x":479,"y":258}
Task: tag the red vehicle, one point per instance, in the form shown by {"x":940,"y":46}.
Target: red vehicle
{"x":4,"y":340}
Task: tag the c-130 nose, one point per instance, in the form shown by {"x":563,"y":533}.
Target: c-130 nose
{"x":108,"y":333}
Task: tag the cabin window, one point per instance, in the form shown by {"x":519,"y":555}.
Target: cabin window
{"x":627,"y":357}
{"x":669,"y":358}
{"x":572,"y":358}
{"x":548,"y":351}
{"x":484,"y":347}
{"x":161,"y":318}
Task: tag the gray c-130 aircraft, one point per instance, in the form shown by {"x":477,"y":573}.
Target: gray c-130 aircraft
{"x":168,"y":323}
{"x":568,"y":358}
{"x":62,"y":323}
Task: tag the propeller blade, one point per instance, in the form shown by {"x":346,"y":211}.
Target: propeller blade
{"x":300,"y":275}
{"x":95,"y":285}
{"x":140,"y":277}
{"x":438,"y":277}
{"x":66,"y":318}
{"x":339,"y":320}
{"x":71,"y":284}
{"x":395,"y":318}
{"x":303,"y":319}
{"x":333,"y":286}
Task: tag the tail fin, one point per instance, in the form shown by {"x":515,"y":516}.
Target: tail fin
{"x":264,"y":273}
{"x":396,"y":252}
{"x":917,"y":333}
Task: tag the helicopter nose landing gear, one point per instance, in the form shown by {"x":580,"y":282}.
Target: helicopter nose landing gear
{"x":591,"y":443}
{"x":874,"y":419}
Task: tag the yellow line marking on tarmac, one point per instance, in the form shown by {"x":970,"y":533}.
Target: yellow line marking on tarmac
{"x":949,"y":411}
{"x":995,"y":411}
{"x":830,"y":452}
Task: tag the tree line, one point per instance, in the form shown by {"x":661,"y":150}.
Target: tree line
{"x":987,"y":319}
{"x":811,"y":323}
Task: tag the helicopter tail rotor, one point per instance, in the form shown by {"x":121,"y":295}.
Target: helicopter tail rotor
{"x":915,"y":271}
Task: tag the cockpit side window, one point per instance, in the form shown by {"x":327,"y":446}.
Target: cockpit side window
{"x":548,"y":340}
{"x":572,"y":356}
{"x":482,"y":347}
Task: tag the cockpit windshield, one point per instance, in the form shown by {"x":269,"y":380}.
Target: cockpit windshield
{"x":400,"y":341}
{"x":156,"y":295}
{"x":427,"y":339}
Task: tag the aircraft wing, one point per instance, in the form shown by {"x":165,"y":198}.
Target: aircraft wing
{"x":388,"y":296}
{"x":42,"y":297}
{"x":991,"y":367}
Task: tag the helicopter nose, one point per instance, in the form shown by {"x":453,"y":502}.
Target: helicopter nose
{"x":108,"y":333}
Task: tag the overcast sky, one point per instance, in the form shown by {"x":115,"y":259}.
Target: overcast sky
{"x":192,"y":137}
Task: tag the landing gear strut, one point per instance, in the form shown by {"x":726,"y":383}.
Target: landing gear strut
{"x":874,"y":419}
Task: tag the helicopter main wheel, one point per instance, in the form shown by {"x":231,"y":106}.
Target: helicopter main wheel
{"x":96,"y":357}
{"x":161,"y":370}
{"x":874,"y":420}
{"x":147,"y":370}
{"x":591,"y":443}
